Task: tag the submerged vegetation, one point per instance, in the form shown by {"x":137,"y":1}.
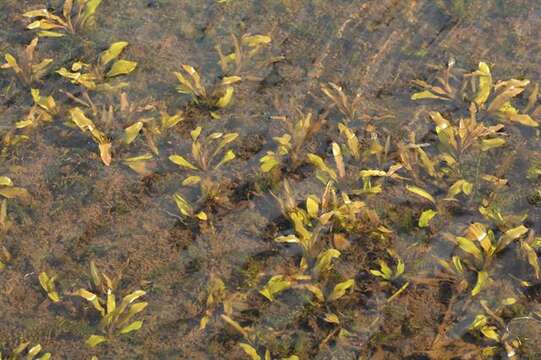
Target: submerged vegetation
{"x":291,"y":200}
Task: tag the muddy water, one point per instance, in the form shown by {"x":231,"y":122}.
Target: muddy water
{"x":126,"y":222}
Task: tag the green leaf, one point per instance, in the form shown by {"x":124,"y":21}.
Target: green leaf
{"x":94,"y":340}
{"x":122,"y":67}
{"x":191,"y":180}
{"x":324,"y":260}
{"x":225,"y":100}
{"x":312,"y":206}
{"x":14,"y":193}
{"x":425,"y":217}
{"x":420,"y":192}
{"x":131,"y":132}
{"x":485,"y":84}
{"x":228,"y":156}
{"x":274,"y":286}
{"x":469,"y":246}
{"x":5,"y":181}
{"x":34,"y":351}
{"x":482,"y":278}
{"x":80,"y":119}
{"x":319,"y":163}
{"x":181,"y":161}
{"x":136,"y":325}
{"x":250,"y":351}
{"x":510,"y":235}
{"x":340,"y":289}
{"x":487,"y":144}
{"x":112,"y":53}
{"x":268,"y":162}
{"x":90,"y":11}
{"x":522,"y":119}
{"x":426,"y":95}
{"x":490,"y":333}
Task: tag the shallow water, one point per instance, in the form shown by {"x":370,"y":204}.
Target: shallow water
{"x":203,"y":278}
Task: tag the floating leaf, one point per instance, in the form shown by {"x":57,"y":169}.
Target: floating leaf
{"x":122,"y":67}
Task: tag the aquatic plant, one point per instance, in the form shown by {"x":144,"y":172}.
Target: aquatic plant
{"x":96,"y":76}
{"x":481,"y":247}
{"x":208,"y":155}
{"x":244,"y":49}
{"x":493,"y":99}
{"x":494,"y":329}
{"x":291,"y":146}
{"x":48,"y":285}
{"x":76,"y":16}
{"x":348,"y":107}
{"x":23,"y":350}
{"x":220,"y":97}
{"x":85,"y":124}
{"x":25,"y":66}
{"x":115,"y":319}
